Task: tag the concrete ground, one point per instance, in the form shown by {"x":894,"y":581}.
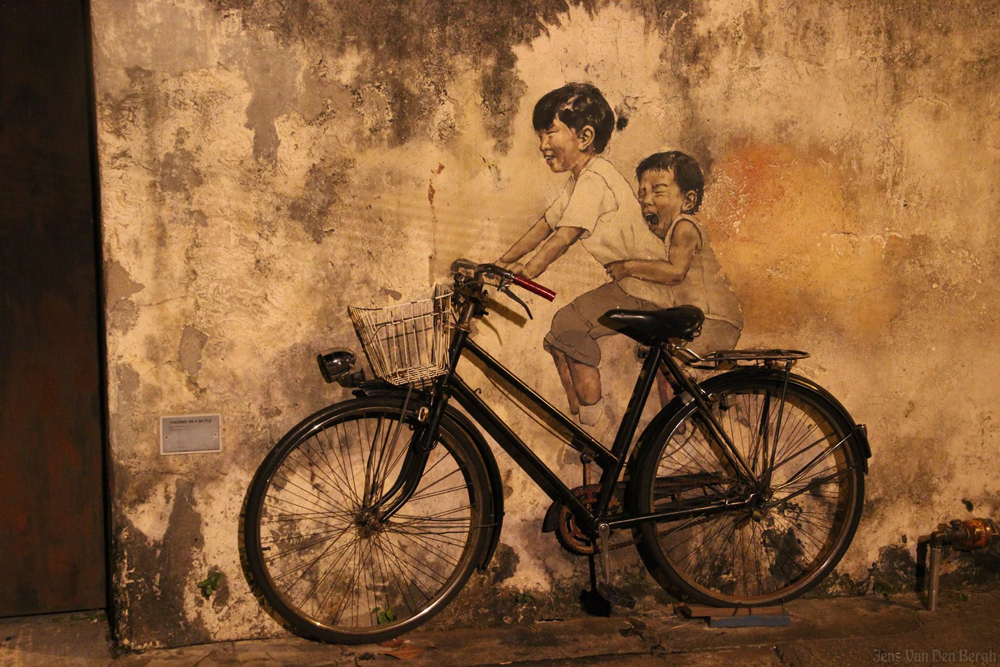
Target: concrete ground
{"x":845,"y":631}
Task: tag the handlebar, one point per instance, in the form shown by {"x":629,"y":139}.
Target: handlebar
{"x":506,"y":277}
{"x":534,"y":287}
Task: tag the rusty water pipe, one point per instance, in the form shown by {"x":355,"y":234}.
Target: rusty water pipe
{"x":961,"y":535}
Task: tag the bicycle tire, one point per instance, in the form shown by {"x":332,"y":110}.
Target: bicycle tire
{"x":740,"y":558}
{"x":308,"y":497}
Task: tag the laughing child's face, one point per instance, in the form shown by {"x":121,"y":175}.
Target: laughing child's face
{"x":563,"y":148}
{"x":663,"y":200}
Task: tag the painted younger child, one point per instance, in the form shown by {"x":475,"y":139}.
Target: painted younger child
{"x":671,"y":187}
{"x":597,"y":208}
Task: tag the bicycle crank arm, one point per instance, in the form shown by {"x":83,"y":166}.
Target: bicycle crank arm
{"x":603,"y":538}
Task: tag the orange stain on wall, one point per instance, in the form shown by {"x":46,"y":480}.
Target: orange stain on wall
{"x":795,"y":246}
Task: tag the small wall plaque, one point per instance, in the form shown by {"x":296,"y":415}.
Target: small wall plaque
{"x":190,"y":434}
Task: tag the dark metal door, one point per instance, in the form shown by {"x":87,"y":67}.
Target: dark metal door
{"x":52,"y":541}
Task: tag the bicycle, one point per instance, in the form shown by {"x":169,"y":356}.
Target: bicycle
{"x":370,"y":515}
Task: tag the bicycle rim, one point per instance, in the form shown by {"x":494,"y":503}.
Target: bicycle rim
{"x":795,"y":537}
{"x":322,"y":558}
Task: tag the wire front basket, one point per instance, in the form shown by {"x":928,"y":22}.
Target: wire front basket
{"x":407,"y":342}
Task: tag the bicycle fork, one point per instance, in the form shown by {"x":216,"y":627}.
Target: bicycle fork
{"x":412,"y":469}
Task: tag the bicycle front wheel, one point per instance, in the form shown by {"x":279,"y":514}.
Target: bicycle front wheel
{"x":793,"y":536}
{"x":325,"y":561}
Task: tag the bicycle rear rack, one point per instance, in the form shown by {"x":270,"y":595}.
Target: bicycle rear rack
{"x":728,"y":359}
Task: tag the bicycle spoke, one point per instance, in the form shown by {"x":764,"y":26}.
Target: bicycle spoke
{"x":328,"y":558}
{"x":766,"y":547}
{"x":433,"y":537}
{"x":340,"y":453}
{"x":408,"y":569}
{"x":324,"y":513}
{"x":295,"y":516}
{"x":289,"y":552}
{"x":341,"y":483}
{"x":410,"y":565}
{"x":320,"y":603}
{"x":822,"y":456}
{"x":427,"y":545}
{"x":442,"y":492}
{"x":305,"y":567}
{"x":330,"y":502}
{"x":394,"y":462}
{"x":411,"y":605}
{"x":352,"y":582}
{"x":820,"y":482}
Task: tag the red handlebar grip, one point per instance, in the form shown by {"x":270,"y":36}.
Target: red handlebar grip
{"x":534,"y":288}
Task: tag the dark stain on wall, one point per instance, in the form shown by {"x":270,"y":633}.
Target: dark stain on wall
{"x":272,"y":77}
{"x":488,"y":599}
{"x":176,"y":172}
{"x":323,"y":185}
{"x":122,"y":111}
{"x":686,"y":62}
{"x":973,"y":569}
{"x":413,"y":46}
{"x":126,"y":380}
{"x":897,"y":571}
{"x":119,"y":286}
{"x":189,"y":351}
{"x":160,"y":572}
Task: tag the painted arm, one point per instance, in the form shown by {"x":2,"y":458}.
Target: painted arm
{"x":551,"y":250}
{"x":537,"y":233}
{"x":683,"y":245}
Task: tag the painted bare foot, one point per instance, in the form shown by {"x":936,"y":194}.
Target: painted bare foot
{"x":600,"y":420}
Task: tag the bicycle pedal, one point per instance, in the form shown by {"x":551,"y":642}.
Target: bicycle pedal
{"x":615,"y":595}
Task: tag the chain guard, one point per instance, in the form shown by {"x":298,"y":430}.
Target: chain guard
{"x":568,"y":532}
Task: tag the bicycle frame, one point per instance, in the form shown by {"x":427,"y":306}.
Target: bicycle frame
{"x":611,"y":462}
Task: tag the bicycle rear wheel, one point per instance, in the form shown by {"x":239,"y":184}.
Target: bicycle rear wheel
{"x":801,"y":528}
{"x":325,"y":562}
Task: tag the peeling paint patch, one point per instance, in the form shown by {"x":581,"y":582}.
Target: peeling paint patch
{"x":323,"y":189}
{"x":160,"y":574}
{"x":177,"y":173}
{"x":151,"y":517}
{"x":119,"y":285}
{"x":189,"y":352}
{"x":415,"y":55}
{"x":127,"y":383}
{"x":123,"y":315}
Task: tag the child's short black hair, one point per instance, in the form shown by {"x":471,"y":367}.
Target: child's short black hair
{"x":687,"y":173}
{"x":577,"y":105}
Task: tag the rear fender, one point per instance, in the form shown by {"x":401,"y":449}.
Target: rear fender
{"x":859,"y":432}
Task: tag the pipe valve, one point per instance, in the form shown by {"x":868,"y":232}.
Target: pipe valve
{"x":960,"y":535}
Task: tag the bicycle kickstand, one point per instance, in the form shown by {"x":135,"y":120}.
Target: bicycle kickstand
{"x":591,"y":599}
{"x":605,"y":589}
{"x":598,"y":600}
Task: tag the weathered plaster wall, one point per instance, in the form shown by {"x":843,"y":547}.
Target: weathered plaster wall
{"x":265,"y":164}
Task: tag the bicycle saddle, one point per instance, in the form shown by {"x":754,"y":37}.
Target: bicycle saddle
{"x":656,"y":326}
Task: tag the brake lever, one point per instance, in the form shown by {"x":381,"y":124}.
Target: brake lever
{"x":506,"y":290}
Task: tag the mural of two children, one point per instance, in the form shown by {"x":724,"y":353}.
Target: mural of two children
{"x":655,"y":250}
